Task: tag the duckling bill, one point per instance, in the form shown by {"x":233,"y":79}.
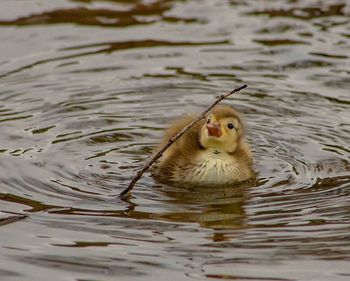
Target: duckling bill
{"x":212,"y":152}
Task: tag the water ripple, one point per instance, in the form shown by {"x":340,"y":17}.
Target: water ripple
{"x":87,"y":88}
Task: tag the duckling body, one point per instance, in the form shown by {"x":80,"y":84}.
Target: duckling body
{"x":213,"y":152}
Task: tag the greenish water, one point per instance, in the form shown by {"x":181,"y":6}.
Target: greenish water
{"x":86,"y":88}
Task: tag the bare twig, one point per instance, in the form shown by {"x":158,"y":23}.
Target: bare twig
{"x":139,"y":174}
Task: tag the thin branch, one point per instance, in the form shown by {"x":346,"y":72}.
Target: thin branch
{"x":139,"y":174}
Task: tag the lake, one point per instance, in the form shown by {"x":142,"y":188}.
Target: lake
{"x":87,"y":88}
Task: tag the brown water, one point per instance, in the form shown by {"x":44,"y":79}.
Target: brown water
{"x":86,"y":88}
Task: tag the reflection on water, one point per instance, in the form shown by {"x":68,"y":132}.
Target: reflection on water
{"x":133,"y":14}
{"x":86,"y":88}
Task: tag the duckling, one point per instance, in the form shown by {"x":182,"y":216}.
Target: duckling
{"x":212,"y":152}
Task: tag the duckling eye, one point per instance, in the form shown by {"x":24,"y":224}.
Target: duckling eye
{"x":208,"y":120}
{"x":230,"y":126}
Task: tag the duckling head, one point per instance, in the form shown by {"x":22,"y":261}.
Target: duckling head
{"x":222,"y":130}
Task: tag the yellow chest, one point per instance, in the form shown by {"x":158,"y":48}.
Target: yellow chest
{"x":212,"y":168}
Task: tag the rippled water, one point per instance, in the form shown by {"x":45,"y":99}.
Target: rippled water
{"x":86,"y":88}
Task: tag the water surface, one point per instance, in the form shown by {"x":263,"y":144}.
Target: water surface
{"x":86,"y":88}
